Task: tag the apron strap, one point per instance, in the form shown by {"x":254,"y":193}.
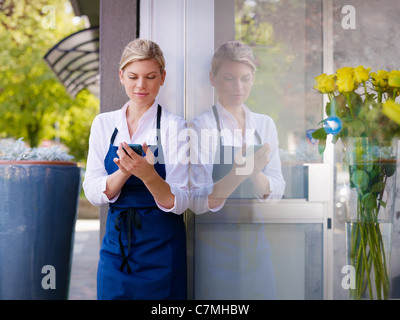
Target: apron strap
{"x":130,"y":216}
{"x":159,"y":111}
{"x":216,"y":116}
{"x":113,"y":136}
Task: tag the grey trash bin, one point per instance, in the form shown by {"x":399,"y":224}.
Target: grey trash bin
{"x":38,"y":210}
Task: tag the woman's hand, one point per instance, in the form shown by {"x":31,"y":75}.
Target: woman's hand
{"x":130,"y":162}
{"x":253,"y":163}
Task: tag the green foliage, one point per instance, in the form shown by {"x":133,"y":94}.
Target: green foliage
{"x":32,"y":99}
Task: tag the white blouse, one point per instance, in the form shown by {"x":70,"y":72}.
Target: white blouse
{"x":177,"y":170}
{"x":202,"y":164}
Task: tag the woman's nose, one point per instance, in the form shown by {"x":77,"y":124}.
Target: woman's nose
{"x":141,"y":83}
{"x":237,"y":84}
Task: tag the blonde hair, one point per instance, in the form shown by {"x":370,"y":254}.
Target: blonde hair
{"x":142,"y":49}
{"x":235,"y":51}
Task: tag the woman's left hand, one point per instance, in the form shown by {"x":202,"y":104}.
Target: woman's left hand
{"x":130,"y":161}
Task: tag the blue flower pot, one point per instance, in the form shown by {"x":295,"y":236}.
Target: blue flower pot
{"x":38,"y":210}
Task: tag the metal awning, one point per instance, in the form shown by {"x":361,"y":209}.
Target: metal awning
{"x":75,"y":61}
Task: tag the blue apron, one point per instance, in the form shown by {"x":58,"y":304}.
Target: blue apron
{"x":222,"y":167}
{"x":143,"y":252}
{"x":235,"y":261}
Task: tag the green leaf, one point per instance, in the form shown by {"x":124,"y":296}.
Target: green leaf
{"x":360,"y":179}
{"x":328,"y":108}
{"x":378,"y":187}
{"x":369,"y":201}
{"x":321,"y":146}
{"x":319,"y":134}
{"x":390,"y":167}
{"x":383,"y":203}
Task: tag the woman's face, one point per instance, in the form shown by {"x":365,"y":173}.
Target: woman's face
{"x":142,"y":81}
{"x":233,"y":83}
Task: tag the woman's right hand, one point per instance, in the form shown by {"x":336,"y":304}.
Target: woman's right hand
{"x":117,"y":161}
{"x":252,"y":164}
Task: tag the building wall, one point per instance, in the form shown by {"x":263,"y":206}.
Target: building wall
{"x":118,"y":26}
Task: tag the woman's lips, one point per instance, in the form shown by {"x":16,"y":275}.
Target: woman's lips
{"x":141,"y":95}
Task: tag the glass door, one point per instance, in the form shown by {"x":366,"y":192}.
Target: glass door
{"x":252,"y":249}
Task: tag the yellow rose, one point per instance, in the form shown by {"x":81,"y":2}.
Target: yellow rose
{"x":325,"y":83}
{"x":361,"y":74}
{"x":394,"y":79}
{"x":391,"y":109}
{"x":380,"y":79}
{"x":345,"y":79}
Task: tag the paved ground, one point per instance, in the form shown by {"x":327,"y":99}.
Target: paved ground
{"x":84,"y":261}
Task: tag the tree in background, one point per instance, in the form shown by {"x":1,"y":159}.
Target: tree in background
{"x":33,"y":103}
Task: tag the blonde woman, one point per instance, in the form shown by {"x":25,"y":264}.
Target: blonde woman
{"x":241,"y":161}
{"x":143,"y":253}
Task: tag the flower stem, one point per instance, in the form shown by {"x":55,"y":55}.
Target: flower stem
{"x":349,"y":103}
{"x":366,"y":96}
{"x":379,"y":94}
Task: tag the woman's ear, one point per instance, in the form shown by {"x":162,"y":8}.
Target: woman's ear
{"x":121,"y":76}
{"x":163,"y":75}
{"x":212,"y":78}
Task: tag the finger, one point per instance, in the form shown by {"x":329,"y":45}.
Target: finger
{"x":239,"y":158}
{"x":129,"y":150}
{"x":149,"y":154}
{"x":244,"y":148}
{"x":120,"y":151}
{"x":145,"y":147}
{"x":117,"y":161}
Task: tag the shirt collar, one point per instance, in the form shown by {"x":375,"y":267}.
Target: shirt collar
{"x":120,"y":120}
{"x":148,"y":118}
{"x":226,"y":117}
{"x":227,"y":120}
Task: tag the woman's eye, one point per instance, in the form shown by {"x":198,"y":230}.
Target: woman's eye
{"x":151,"y":78}
{"x":228,"y":78}
{"x":133,"y":78}
{"x":246,"y":79}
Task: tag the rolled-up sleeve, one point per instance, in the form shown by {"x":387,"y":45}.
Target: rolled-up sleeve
{"x":96,"y":175}
{"x":274,"y":168}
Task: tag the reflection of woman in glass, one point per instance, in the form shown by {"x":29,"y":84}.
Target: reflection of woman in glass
{"x":143,"y":253}
{"x":240,"y":160}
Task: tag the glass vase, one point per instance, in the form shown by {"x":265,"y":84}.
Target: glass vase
{"x":369,"y":217}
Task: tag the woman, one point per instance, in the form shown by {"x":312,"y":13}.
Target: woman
{"x":241,"y":161}
{"x":240,"y":132}
{"x":143,"y":252}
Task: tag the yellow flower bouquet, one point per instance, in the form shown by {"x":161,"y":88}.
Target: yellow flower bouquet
{"x":361,"y":104}
{"x":363,"y":113}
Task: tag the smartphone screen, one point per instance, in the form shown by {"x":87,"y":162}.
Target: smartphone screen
{"x":137,"y":148}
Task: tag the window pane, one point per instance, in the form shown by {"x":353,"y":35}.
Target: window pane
{"x":286,"y":37}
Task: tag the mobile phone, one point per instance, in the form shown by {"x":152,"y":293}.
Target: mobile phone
{"x":136,"y":147}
